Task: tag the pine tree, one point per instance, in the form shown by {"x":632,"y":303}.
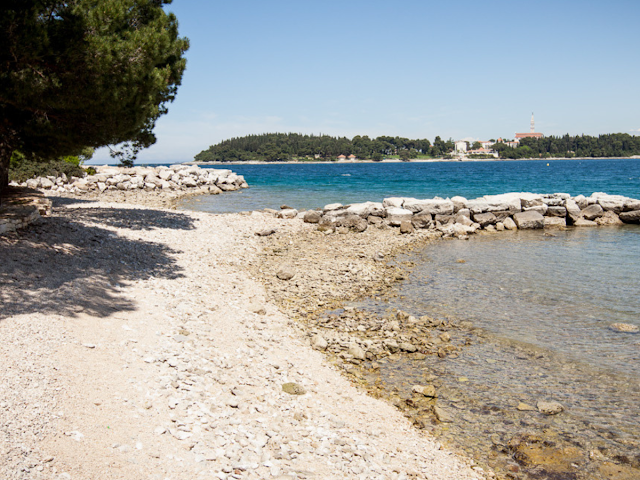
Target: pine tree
{"x":84,"y":73}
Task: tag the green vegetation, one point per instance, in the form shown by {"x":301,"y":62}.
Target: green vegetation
{"x":611,"y":145}
{"x":84,"y":73}
{"x":275,"y":147}
{"x":22,"y":168}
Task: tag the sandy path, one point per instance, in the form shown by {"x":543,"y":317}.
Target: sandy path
{"x":134,"y":346}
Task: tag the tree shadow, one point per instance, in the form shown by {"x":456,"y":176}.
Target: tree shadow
{"x":70,"y":262}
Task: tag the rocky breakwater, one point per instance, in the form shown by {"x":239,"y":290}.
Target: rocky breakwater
{"x":140,"y":183}
{"x":460,"y":217}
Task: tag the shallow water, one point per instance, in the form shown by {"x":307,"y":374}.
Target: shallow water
{"x":543,"y":305}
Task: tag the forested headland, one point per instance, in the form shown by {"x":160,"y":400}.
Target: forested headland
{"x":275,"y":147}
{"x":279,"y":147}
{"x":613,"y":145}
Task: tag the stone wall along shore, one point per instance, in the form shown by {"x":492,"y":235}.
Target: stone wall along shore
{"x":20,"y":207}
{"x":459,"y":217}
{"x":174,"y":178}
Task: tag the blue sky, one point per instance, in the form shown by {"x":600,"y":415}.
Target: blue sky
{"x":458,"y":68}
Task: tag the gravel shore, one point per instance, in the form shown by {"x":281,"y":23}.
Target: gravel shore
{"x":141,"y":342}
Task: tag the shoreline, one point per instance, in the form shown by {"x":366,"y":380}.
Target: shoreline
{"x":394,"y":161}
{"x":136,"y":366}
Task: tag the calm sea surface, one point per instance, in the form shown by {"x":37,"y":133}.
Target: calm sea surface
{"x":544,"y":303}
{"x":315,"y":185}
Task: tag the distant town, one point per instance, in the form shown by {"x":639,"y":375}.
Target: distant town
{"x":464,"y":148}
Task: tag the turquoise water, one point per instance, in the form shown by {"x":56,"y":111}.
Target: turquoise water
{"x":315,"y":185}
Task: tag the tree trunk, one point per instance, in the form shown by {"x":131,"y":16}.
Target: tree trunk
{"x":5,"y":157}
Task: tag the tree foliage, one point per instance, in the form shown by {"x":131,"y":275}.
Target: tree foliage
{"x":84,"y":73}
{"x":272,"y":147}
{"x":609,"y":145}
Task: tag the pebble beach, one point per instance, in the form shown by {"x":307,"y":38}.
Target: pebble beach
{"x":140,"y":343}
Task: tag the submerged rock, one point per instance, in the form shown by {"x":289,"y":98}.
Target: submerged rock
{"x":549,"y":408}
{"x":624,"y":327}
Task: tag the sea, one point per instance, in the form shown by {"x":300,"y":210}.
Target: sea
{"x":542,"y":303}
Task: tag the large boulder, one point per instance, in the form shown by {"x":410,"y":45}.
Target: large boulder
{"x":612,"y":203}
{"x":479,"y":205}
{"x":530,"y":200}
{"x":556,"y":211}
{"x":592,"y":212}
{"x":557,"y":222}
{"x":631,"y":204}
{"x":509,"y":224}
{"x":485,"y":219}
{"x":528,"y":220}
{"x":609,"y":218}
{"x":393,"y":202}
{"x":505,"y":202}
{"x":630,"y":217}
{"x":354,"y":223}
{"x":459,"y":203}
{"x":312,"y":216}
{"x":434,"y":206}
{"x":366,"y":209}
{"x":395,"y":216}
{"x":421,"y":221}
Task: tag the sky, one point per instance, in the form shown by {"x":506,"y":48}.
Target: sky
{"x":460,"y":69}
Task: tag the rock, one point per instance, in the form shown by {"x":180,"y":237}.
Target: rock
{"x":554,"y":222}
{"x":293,"y":389}
{"x":592,"y":212}
{"x":465,"y":212}
{"x":549,"y":408}
{"x":523,"y":407}
{"x":287,"y":214}
{"x":541,"y":209}
{"x":509,"y":202}
{"x":366,"y":209}
{"x":266,"y":233}
{"x":357,"y":352}
{"x":421,"y":221}
{"x":286,"y":272}
{"x":557,"y":212}
{"x":425,"y":390}
{"x":582,"y":222}
{"x":509,"y":224}
{"x":355,"y":223}
{"x":373,"y":220}
{"x":609,"y":218}
{"x":393,"y":202}
{"x":442,"y":415}
{"x":459,"y":203}
{"x":464,"y":220}
{"x":528,"y":220}
{"x":612,"y":203}
{"x":528,"y":200}
{"x":407,"y":347}
{"x":630,"y":217}
{"x":318,"y":342}
{"x":433,"y":206}
{"x":484,"y":219}
{"x":624,"y":327}
{"x":395,"y":216}
{"x":312,"y":216}
{"x":406,"y":227}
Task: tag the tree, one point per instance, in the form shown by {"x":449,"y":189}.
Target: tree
{"x":476,"y":146}
{"x":85,"y":73}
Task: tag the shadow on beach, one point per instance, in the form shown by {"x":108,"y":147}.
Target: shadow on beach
{"x":71,"y":263}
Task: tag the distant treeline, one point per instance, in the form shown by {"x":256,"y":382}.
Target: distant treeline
{"x":274,"y":147}
{"x":610,"y":145}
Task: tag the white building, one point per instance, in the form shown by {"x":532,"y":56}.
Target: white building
{"x":461,"y":146}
